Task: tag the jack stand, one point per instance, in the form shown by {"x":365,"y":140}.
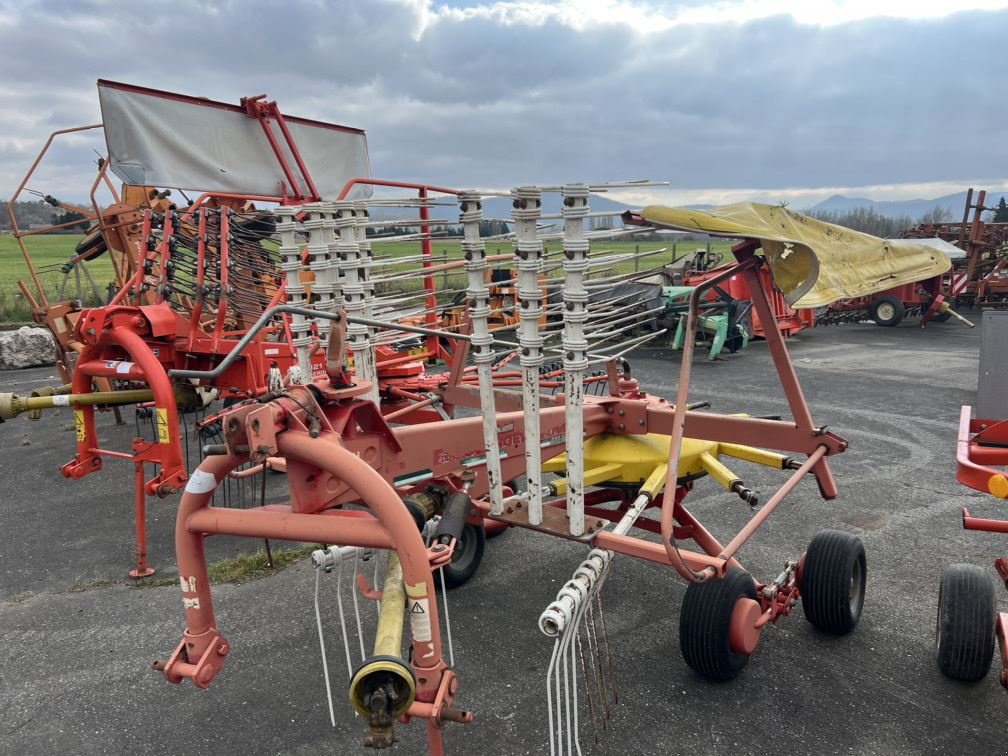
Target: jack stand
{"x":142,"y":569}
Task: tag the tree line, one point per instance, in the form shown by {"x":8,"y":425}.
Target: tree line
{"x":870,"y":221}
{"x":41,"y":213}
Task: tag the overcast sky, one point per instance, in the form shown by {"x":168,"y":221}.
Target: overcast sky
{"x":725,"y":99}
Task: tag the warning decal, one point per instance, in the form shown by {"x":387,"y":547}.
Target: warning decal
{"x":79,"y":426}
{"x":420,"y":624}
{"x":162,"y":426}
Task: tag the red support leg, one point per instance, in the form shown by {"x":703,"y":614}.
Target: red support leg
{"x":142,"y":569}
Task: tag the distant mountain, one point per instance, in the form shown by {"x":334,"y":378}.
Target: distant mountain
{"x":954,"y":204}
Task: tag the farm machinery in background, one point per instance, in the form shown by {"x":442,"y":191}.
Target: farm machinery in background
{"x":980,"y":275}
{"x":266,"y":307}
{"x":728,"y":321}
{"x":977,"y":276}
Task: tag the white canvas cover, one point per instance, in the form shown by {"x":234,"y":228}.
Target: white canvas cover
{"x":166,"y":140}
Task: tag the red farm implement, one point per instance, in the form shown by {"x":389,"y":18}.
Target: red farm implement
{"x":338,"y":450}
{"x":969,"y":624}
{"x":266,"y":308}
{"x":979,"y":277}
{"x":787,"y":320}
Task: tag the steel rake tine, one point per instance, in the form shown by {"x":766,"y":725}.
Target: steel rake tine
{"x":605,"y":635}
{"x":628,"y":346}
{"x":639,"y":318}
{"x":592,"y":632}
{"x":588,"y":693}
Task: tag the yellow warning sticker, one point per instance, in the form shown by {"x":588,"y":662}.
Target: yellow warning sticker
{"x":79,"y":426}
{"x":162,"y":426}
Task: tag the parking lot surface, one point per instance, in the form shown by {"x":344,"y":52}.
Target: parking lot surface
{"x":77,"y":640}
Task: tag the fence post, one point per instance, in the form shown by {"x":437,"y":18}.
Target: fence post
{"x":636,"y":260}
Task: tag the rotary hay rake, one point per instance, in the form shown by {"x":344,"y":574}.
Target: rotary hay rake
{"x":361,"y":483}
{"x":226,"y":299}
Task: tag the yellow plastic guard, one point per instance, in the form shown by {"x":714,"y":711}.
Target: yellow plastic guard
{"x":637,"y":460}
{"x":632,"y":459}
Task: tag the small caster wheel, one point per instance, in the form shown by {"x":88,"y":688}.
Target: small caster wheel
{"x":705,"y":625}
{"x":964,"y":634}
{"x":466,"y":558}
{"x":833,"y":581}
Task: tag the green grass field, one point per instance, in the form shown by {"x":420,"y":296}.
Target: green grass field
{"x":50,"y":252}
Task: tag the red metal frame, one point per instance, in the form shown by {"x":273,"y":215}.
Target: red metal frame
{"x":18,"y":233}
{"x":338,"y":449}
{"x":981,"y":447}
{"x":986,"y":279}
{"x":788,"y":320}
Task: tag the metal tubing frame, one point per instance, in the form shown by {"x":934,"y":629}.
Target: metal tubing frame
{"x":747,"y":264}
{"x":224,"y":255}
{"x":972,"y":458}
{"x":527,"y":203}
{"x":471,"y":214}
{"x":142,"y":568}
{"x":575,"y":345}
{"x":172,"y":467}
{"x":678,"y":431}
{"x":393,"y":527}
{"x":264,"y":112}
{"x":17,"y":193}
{"x":979,"y":523}
{"x":197,"y":311}
{"x":268,"y":315}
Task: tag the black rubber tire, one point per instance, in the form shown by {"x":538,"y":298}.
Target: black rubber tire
{"x":92,"y":245}
{"x":965,"y":630}
{"x":705,"y":621}
{"x":467,"y":557}
{"x":833,"y":581}
{"x":886,"y":318}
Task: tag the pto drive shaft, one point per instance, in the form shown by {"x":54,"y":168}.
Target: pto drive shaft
{"x":12,"y":405}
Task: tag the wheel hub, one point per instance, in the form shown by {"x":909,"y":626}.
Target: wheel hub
{"x":743,"y":635}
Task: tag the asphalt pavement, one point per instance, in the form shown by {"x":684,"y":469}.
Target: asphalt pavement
{"x":77,"y":639}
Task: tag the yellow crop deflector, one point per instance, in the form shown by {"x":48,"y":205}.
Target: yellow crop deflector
{"x":628,"y":460}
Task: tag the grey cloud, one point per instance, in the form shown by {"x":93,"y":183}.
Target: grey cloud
{"x":764,"y":104}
